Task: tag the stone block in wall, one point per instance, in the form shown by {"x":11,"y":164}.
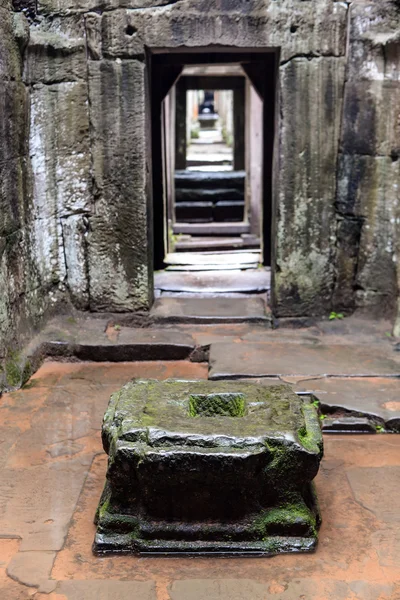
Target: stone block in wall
{"x":22,"y":301}
{"x":118,"y":251}
{"x":371,"y":118}
{"x":348,"y":235}
{"x":21,"y":30}
{"x":10,"y":58}
{"x":311,"y":100}
{"x":316,"y":28}
{"x":11,"y":283}
{"x":56,"y":51}
{"x":376,"y":271}
{"x":12,"y":190}
{"x":121,"y":36}
{"x":46,"y":241}
{"x":93,"y":35}
{"x":374,"y":49}
{"x":28,"y":7}
{"x":66,"y":6}
{"x":60,"y":146}
{"x":60,"y":162}
{"x":368,"y":190}
{"x":11,"y":265}
{"x":368,"y":171}
{"x":74,"y":230}
{"x":14,"y":102}
{"x":13,"y":151}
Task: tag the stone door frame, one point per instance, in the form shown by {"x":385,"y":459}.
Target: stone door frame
{"x":261,"y":67}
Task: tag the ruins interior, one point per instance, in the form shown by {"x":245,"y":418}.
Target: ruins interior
{"x":204,"y":191}
{"x":212,"y":124}
{"x":88,"y":89}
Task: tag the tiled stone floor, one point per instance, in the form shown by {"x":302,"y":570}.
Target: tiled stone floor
{"x":52,"y":473}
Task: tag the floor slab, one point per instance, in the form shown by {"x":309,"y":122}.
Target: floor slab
{"x":250,"y":359}
{"x":53,"y":472}
{"x":344,"y":566}
{"x":374,"y":397}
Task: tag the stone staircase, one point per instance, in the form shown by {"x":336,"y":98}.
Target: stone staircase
{"x":211,"y":198}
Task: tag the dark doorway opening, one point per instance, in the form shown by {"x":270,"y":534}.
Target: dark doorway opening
{"x":208,"y":202}
{"x":173,"y":166}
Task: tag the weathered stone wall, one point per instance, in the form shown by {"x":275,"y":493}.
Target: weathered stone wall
{"x":310,"y":100}
{"x":368,"y":186}
{"x":22,"y":298}
{"x":88,"y":155}
{"x":88,"y":150}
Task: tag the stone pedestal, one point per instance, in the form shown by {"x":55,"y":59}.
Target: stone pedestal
{"x":209,"y":467}
{"x":208,"y":121}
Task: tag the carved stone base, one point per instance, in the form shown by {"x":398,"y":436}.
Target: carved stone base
{"x":209,"y":468}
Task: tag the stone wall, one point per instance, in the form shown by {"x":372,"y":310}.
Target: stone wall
{"x":87,"y":203}
{"x":368,"y":181}
{"x":23,"y":299}
{"x":88,"y":153}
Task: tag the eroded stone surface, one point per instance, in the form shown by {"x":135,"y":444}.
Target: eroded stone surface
{"x":76,"y":220}
{"x":252,"y":359}
{"x":119,"y":280}
{"x":31,"y":568}
{"x":357,"y":475}
{"x":304,"y":277}
{"x":22,"y":299}
{"x":209,"y":310}
{"x":209,"y":467}
{"x":117,"y":590}
{"x":374,"y":398}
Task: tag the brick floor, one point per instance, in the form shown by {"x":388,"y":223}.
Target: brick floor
{"x":53,"y":470}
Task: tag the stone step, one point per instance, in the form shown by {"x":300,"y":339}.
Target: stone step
{"x":212,"y":229}
{"x":374,"y":400}
{"x":94,"y":340}
{"x":220,"y":259}
{"x":210,"y":310}
{"x":207,"y":195}
{"x":194,"y":212}
{"x":201,"y":261}
{"x":229,"y":210}
{"x":208,"y":244}
{"x":210,"y":179}
{"x":256,"y":281}
{"x":203,"y":161}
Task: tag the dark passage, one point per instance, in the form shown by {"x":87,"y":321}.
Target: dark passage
{"x":212,"y":138}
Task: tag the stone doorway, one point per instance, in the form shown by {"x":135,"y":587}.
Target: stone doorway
{"x":212,"y":206}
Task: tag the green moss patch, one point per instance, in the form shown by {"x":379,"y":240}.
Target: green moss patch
{"x":289,"y":519}
{"x":213,"y":405}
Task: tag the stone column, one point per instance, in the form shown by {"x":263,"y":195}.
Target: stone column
{"x":180,"y":125}
{"x":239,"y":128}
{"x":118,"y":247}
{"x":311,"y":100}
{"x":369,"y":166}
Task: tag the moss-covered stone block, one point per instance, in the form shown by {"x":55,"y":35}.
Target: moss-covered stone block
{"x":209,"y":467}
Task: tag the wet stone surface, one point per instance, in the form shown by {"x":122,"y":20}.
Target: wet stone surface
{"x":206,"y":467}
